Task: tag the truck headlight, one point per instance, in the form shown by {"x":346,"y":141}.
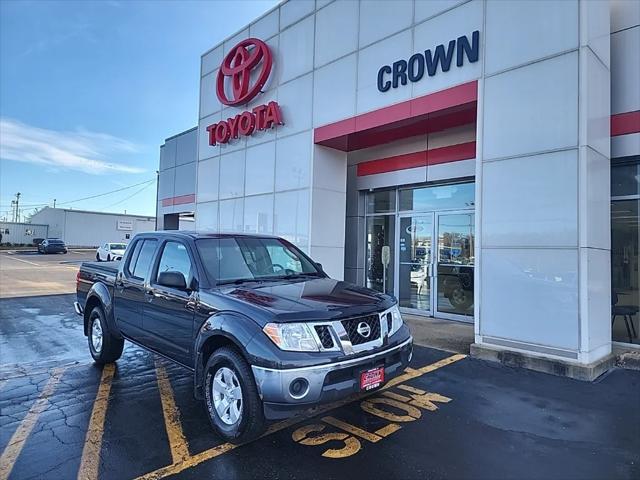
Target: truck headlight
{"x":295,"y":337}
{"x":396,"y":319}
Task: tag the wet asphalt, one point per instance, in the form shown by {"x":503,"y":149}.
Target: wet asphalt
{"x":457,"y":418}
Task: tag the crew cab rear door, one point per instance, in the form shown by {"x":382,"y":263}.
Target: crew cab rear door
{"x":169,"y":312}
{"x":130,"y":288}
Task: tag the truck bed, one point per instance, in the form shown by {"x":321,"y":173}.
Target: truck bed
{"x":93,"y":272}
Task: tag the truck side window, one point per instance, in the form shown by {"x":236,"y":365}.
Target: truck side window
{"x":144,"y":258}
{"x":133,"y":258}
{"x":175,"y":258}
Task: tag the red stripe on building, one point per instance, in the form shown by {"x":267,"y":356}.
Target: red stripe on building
{"x":179,"y":200}
{"x":451,"y":153}
{"x":445,"y":109}
{"x":391,"y":164}
{"x":435,"y":156}
{"x":625,"y":123}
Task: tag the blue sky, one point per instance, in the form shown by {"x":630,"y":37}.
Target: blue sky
{"x":90,"y":90}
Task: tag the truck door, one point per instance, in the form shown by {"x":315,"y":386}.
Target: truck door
{"x":169,"y":311}
{"x":130,"y":288}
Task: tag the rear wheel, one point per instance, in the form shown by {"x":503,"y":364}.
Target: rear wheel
{"x":104,"y":346}
{"x":232,"y":401}
{"x":97,"y":257}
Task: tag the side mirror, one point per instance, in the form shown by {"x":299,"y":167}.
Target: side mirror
{"x":193,"y":284}
{"x":319,"y":266}
{"x":173,"y":280}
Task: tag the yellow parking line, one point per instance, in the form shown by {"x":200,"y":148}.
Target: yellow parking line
{"x":352,"y":429}
{"x":177,"y":440}
{"x":214,"y":452}
{"x":90,"y":463}
{"x":14,"y":447}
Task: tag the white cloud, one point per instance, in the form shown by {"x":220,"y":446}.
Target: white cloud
{"x":84,"y":151}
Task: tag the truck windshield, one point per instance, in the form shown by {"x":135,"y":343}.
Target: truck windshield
{"x":245,"y":259}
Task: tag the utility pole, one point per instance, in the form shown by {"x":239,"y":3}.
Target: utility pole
{"x":54,"y":203}
{"x":17,"y":203}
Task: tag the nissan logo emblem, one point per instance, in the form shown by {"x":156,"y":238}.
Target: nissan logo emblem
{"x":364,"y":329}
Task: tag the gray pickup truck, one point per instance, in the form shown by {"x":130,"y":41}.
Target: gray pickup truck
{"x":265,"y":331}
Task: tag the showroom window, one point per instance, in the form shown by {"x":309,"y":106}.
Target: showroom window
{"x":625,"y":244}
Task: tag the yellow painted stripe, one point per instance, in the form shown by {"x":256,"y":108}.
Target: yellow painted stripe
{"x":388,"y":429}
{"x":177,"y":440}
{"x":90,"y":463}
{"x":352,"y":429}
{"x":214,"y":452}
{"x":14,"y":447}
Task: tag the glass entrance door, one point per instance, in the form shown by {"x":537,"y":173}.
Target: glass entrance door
{"x":415,"y":262}
{"x":455,"y":265}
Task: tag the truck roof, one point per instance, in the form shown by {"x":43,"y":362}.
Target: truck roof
{"x":195,"y":235}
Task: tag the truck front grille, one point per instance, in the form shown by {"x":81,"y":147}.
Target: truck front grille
{"x":324,"y":335}
{"x":353,"y":324}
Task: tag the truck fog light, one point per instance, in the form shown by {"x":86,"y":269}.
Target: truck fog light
{"x":299,"y":388}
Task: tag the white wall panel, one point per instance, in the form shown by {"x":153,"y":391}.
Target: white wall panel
{"x":428,"y":8}
{"x":625,"y":145}
{"x":186,"y":147}
{"x":326,"y":207}
{"x":185,"y":182}
{"x":208,"y":179}
{"x":524,"y":204}
{"x":625,"y":71}
{"x":370,"y":60}
{"x":295,"y":100}
{"x":381,"y":19}
{"x":211,"y":60}
{"x":514,"y":31}
{"x":595,"y":104}
{"x":531,"y":296}
{"x":207,"y":216}
{"x":258,"y":214}
{"x":296,"y":50}
{"x":294,"y":10}
{"x":451,"y":170}
{"x":209,"y":102}
{"x":267,"y":26}
{"x":166,"y":182}
{"x":233,"y":41}
{"x":460,"y":21}
{"x":624,"y":14}
{"x":329,"y":169}
{"x":595,"y":200}
{"x":331,"y":258}
{"x":231,"y":215}
{"x":204,"y":149}
{"x":533,"y":108}
{"x":293,"y":161}
{"x":232,"y":175}
{"x":334,"y":91}
{"x":336,"y":31}
{"x":260,"y":169}
{"x":596,"y":28}
{"x":595,"y":304}
{"x":291,"y":217}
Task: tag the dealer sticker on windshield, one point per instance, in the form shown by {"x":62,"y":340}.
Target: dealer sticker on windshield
{"x":372,"y":378}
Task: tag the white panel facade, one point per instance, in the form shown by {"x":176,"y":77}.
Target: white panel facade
{"x":542,"y":158}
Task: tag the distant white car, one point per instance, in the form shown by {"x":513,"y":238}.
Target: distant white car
{"x":110,"y":251}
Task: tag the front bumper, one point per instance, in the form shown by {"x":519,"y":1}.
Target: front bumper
{"x":326,"y":383}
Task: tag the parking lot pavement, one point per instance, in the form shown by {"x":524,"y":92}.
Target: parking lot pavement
{"x":28,"y":273}
{"x":448,"y":416}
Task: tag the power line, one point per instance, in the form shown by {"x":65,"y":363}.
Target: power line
{"x":92,"y":196}
{"x":149,"y":183}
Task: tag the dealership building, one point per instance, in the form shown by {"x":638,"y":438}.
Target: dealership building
{"x":477,"y":159}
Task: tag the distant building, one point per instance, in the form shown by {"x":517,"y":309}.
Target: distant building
{"x":81,"y":228}
{"x":19,"y":233}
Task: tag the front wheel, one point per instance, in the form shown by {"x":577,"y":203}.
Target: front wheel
{"x":97,"y":257}
{"x":232,"y":401}
{"x":108,"y":258}
{"x":103,"y":345}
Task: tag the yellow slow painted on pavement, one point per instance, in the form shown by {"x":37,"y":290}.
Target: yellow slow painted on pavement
{"x":354,"y":444}
{"x":14,"y":447}
{"x":90,"y":463}
{"x":177,"y":441}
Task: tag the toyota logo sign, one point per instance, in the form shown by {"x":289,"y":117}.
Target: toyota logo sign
{"x":239,"y":65}
{"x":364,"y":329}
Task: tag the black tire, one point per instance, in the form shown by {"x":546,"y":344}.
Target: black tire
{"x":251,"y":423}
{"x":108,"y":258}
{"x":98,"y":257}
{"x":111,"y":349}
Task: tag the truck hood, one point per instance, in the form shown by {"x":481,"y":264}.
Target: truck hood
{"x":306,"y":300}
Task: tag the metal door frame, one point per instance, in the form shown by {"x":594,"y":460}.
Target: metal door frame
{"x":435,"y":262}
{"x":430,"y":267}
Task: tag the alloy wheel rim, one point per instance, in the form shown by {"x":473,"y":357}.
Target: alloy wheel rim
{"x":227,"y":396}
{"x":96,"y":335}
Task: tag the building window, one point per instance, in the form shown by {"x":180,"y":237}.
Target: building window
{"x":625,"y":245}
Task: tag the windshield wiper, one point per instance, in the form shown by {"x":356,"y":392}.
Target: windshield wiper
{"x":239,"y":281}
